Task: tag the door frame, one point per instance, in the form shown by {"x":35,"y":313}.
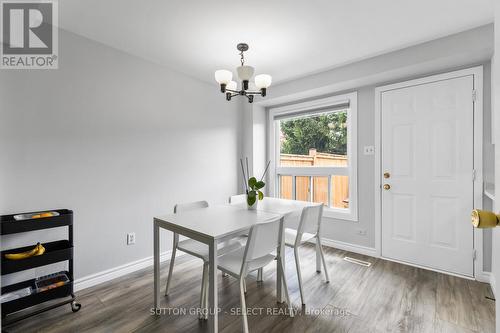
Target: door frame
{"x":477,"y":73}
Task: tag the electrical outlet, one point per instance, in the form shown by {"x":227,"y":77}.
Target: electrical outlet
{"x":361,"y":232}
{"x":131,"y":238}
{"x":369,"y":150}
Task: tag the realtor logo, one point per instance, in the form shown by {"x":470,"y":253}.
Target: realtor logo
{"x":29,"y":34}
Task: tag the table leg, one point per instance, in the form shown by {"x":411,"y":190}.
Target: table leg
{"x":156,"y":254}
{"x":213,"y":318}
{"x":281,"y":272}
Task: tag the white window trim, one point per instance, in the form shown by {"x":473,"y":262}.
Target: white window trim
{"x":351,"y":170}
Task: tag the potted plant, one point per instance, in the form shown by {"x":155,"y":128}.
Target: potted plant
{"x":253,"y":186}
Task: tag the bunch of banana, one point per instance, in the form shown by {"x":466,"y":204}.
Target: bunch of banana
{"x":36,"y":251}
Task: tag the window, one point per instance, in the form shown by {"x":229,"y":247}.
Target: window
{"x":314,"y":149}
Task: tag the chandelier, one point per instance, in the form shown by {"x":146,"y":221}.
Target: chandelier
{"x":245,"y":73}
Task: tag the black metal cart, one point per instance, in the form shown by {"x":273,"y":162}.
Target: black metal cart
{"x":61,"y":250}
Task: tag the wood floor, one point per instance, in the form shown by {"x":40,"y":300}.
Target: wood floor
{"x":386,"y":297}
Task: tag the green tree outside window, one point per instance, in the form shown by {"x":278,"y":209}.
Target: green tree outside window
{"x":327,"y":133}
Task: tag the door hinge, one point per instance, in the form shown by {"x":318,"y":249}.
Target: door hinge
{"x":474,"y":254}
{"x":474,"y":174}
{"x":474,"y":95}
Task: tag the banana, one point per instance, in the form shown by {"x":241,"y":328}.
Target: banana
{"x":40,"y":251}
{"x":36,"y":251}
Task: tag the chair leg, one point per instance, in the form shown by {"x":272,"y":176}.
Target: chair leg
{"x":260,"y":274}
{"x":318,"y":257}
{"x":203,"y":293}
{"x":299,"y":276}
{"x":243,"y":305}
{"x":171,"y":267}
{"x":285,"y":286}
{"x":323,"y":259}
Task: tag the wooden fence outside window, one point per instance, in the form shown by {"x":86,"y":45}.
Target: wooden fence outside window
{"x":319,"y":184}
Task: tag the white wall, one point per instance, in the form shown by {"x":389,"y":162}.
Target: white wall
{"x":462,"y":50}
{"x":118,"y":140}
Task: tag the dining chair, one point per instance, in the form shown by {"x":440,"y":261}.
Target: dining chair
{"x":196,"y":249}
{"x":262,"y":247}
{"x":309,"y":228}
{"x":242,"y":198}
{"x":238,"y":198}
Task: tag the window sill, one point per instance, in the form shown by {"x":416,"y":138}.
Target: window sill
{"x":339,"y":214}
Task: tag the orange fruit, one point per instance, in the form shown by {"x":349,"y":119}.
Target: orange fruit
{"x":46,"y":214}
{"x":37,"y":216}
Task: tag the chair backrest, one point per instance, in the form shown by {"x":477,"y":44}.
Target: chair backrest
{"x":182,"y":207}
{"x":263,"y":239}
{"x":310,"y":220}
{"x":239,"y":198}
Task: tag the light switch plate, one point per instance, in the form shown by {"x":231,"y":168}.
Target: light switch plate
{"x":369,"y":150}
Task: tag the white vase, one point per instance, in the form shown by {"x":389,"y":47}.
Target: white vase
{"x":254,"y":206}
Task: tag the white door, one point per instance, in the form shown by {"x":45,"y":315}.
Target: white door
{"x":427,"y":153}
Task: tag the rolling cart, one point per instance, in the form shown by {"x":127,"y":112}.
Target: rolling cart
{"x":58,"y":251}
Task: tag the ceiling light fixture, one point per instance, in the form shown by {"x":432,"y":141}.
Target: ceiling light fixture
{"x":245,"y":73}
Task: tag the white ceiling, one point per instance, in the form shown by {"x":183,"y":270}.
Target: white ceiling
{"x":287,"y":38}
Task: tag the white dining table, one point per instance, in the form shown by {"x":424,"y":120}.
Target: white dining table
{"x":217,"y":224}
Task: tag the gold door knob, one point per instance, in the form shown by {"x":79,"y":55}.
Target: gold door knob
{"x":484,"y":219}
{"x":387,"y":187}
{"x":387,"y":175}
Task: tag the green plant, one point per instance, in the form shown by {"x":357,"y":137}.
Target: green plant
{"x":254,"y":190}
{"x":252,"y":186}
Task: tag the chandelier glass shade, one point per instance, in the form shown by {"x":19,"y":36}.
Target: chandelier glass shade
{"x":245,"y":73}
{"x":223,"y":76}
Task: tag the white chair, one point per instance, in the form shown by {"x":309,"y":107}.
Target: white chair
{"x":242,"y":198}
{"x":196,"y":249}
{"x":309,"y":228}
{"x":239,"y":198}
{"x":263,"y":246}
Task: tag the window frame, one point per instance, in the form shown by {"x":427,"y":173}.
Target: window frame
{"x":349,"y":214}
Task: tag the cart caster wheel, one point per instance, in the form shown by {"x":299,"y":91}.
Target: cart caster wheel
{"x":75,"y":306}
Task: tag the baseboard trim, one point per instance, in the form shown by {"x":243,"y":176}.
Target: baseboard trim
{"x":367,"y":251}
{"x":493,"y":284}
{"x":118,"y":271}
{"x":484,"y":277}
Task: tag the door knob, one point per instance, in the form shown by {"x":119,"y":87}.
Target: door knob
{"x":387,"y":175}
{"x":484,"y":219}
{"x":387,"y":187}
